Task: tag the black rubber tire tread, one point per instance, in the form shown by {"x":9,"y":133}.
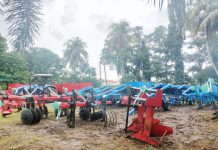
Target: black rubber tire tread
{"x":26,"y":116}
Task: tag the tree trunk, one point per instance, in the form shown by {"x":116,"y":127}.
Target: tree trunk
{"x":210,"y":58}
{"x":166,"y":70}
{"x":100,"y":71}
{"x":105,"y":74}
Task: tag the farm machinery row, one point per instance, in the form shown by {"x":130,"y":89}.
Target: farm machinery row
{"x":172,"y":94}
{"x":33,"y":100}
{"x":95,"y":104}
{"x":204,"y":95}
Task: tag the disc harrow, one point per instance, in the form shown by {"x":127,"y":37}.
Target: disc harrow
{"x":31,"y":114}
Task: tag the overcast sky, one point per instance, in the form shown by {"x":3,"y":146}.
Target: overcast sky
{"x":89,"y":20}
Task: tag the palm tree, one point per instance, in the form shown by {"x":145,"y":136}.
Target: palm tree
{"x":75,"y":54}
{"x":181,"y":3}
{"x":23,"y":17}
{"x":203,"y":16}
{"x":1,"y":11}
{"x":117,"y":43}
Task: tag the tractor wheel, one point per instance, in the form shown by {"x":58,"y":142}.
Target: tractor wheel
{"x":35,"y":115}
{"x":26,"y":116}
{"x":166,"y":106}
{"x":39,"y":114}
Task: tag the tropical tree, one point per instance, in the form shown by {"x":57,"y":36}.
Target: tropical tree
{"x":75,"y":54}
{"x":175,"y":37}
{"x":117,"y":42}
{"x":3,"y":44}
{"x":1,"y":11}
{"x":198,"y":58}
{"x":202,"y":16}
{"x":140,"y":56}
{"x":161,"y":60}
{"x":13,"y":68}
{"x":23,"y":17}
{"x":42,"y":60}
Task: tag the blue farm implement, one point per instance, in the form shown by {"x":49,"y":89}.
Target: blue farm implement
{"x":173,"y":94}
{"x":117,"y":94}
{"x":207,"y":94}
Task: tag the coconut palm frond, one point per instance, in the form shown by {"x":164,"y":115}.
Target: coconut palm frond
{"x":23,"y":18}
{"x":1,"y":9}
{"x":210,"y":18}
{"x":75,"y":53}
{"x":160,"y":2}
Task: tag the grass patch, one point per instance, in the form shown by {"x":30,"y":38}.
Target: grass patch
{"x":13,"y":118}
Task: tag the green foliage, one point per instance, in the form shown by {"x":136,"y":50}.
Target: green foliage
{"x":23,"y":17}
{"x":205,"y":74}
{"x":117,"y":45}
{"x":199,"y":57}
{"x":88,"y":75}
{"x":161,"y":57}
{"x":126,"y":49}
{"x":202,"y":17}
{"x":130,"y":78}
{"x":1,"y":9}
{"x":140,"y":57}
{"x":3,"y":44}
{"x":175,"y":37}
{"x":214,"y":50}
{"x":14,"y":68}
{"x":42,"y":60}
{"x":75,"y":54}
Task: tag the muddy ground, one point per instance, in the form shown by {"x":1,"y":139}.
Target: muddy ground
{"x":193,"y":129}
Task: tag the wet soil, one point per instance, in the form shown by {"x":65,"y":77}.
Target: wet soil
{"x":193,"y":129}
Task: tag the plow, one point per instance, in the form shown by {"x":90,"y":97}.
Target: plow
{"x":145,"y":127}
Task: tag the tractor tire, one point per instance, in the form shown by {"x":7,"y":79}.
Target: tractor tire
{"x":26,"y":116}
{"x":166,"y":106}
{"x":35,"y":115}
{"x":39,"y":114}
